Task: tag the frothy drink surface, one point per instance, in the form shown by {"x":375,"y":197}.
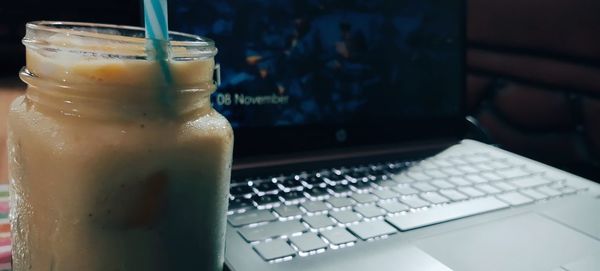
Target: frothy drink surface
{"x":103,"y":177}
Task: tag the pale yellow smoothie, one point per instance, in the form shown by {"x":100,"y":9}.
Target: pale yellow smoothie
{"x":104,"y":173}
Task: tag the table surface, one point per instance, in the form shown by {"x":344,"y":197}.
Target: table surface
{"x":9,"y":89}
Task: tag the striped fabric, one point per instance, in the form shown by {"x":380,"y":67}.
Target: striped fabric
{"x":5,"y":256}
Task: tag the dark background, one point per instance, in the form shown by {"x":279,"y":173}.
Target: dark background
{"x":533,"y":69}
{"x":14,"y":15}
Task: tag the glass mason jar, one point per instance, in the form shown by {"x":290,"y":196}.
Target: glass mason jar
{"x":105,"y":172}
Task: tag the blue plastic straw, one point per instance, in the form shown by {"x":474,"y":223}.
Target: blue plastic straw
{"x":157,"y":33}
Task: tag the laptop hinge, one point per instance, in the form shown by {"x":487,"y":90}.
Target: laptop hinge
{"x":364,"y":153}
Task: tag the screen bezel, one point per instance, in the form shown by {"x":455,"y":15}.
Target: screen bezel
{"x":274,"y":140}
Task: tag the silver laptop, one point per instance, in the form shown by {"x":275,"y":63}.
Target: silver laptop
{"x":350,"y":150}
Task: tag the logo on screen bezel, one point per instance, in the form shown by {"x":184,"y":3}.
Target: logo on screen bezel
{"x":341,"y":135}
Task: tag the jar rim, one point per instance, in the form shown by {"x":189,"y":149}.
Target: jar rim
{"x":196,"y":46}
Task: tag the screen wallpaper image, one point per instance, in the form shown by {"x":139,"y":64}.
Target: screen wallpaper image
{"x":286,"y":62}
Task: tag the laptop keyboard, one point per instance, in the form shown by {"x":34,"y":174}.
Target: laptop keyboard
{"x":309,"y":213}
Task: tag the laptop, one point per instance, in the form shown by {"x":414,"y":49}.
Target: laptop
{"x":350,"y":152}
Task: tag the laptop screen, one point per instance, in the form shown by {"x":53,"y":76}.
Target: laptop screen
{"x":287,"y":63}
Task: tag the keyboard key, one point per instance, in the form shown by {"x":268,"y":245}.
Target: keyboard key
{"x":358,"y":173}
{"x":414,"y":202}
{"x":453,"y":194}
{"x":468,"y":169}
{"x":341,"y":170}
{"x":441,"y":162}
{"x":528,"y":182}
{"x":554,"y":176}
{"x":476,"y":158}
{"x":499,"y":164}
{"x":308,"y":242}
{"x":446,"y":213}
{"x":418,"y":175}
{"x":491,"y":176}
{"x":372,"y":229}
{"x":402,"y":178}
{"x":290,"y":183}
{"x":576,"y":185}
{"x":322,"y":173}
{"x":395,"y":169}
{"x":514,"y":198}
{"x":534,"y":194}
{"x":278,"y":179}
{"x":427,"y":165}
{"x":355,"y":180}
{"x":266,"y":199}
{"x":549,"y":191}
{"x":385,"y":183}
{"x":271,"y":230}
{"x":345,"y":216}
{"x":456,"y":160}
{"x":385,"y":176}
{"x":266,"y":186}
{"x":483,"y":167}
{"x":488,"y":189}
{"x":563,"y":188}
{"x":334,"y":178}
{"x":393,"y":206}
{"x":318,"y":221}
{"x":504,"y":186}
{"x":313,"y":206}
{"x":338,"y":189}
{"x":434,"y":198}
{"x":240,"y":190}
{"x":385,"y":193}
{"x":436,"y":174}
{"x":316,"y":192}
{"x":240,"y":203}
{"x":340,"y":202}
{"x":302,"y":175}
{"x":442,"y":184}
{"x":476,"y":179}
{"x":513,"y":172}
{"x":363,"y":197}
{"x":287,"y":210}
{"x":274,"y":250}
{"x":291,"y":196}
{"x":452,"y":171}
{"x":459,"y":181}
{"x":424,"y":187}
{"x":313,"y":181}
{"x":338,"y":236}
{"x":377,"y":170}
{"x":405,"y":190}
{"x":369,"y":211}
{"x":360,"y":185}
{"x":566,"y":190}
{"x":250,"y":217}
{"x":239,"y":181}
{"x":471,"y":192}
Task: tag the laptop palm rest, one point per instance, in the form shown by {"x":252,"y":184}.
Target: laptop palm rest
{"x":405,"y":258}
{"x":583,"y":218}
{"x":525,"y":242}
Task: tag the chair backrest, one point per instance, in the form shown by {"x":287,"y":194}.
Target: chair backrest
{"x":534,"y":78}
